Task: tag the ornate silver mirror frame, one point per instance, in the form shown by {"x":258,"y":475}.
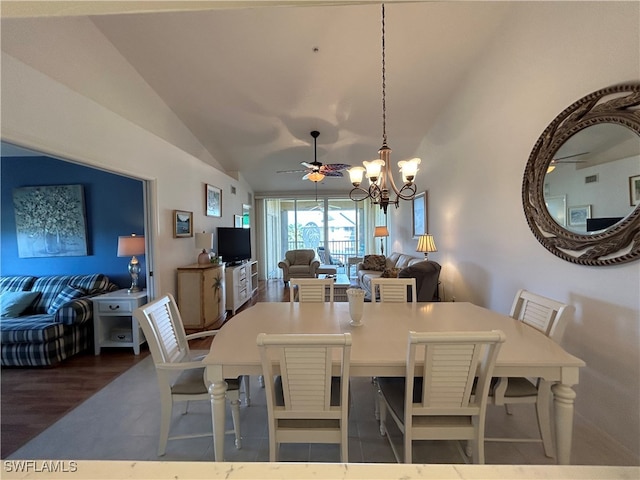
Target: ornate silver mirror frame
{"x":617,"y":244}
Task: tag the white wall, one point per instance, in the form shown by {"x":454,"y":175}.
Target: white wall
{"x":49,"y":117}
{"x":547,"y":56}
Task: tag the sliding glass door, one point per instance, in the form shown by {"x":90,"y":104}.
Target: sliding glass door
{"x":332,"y":227}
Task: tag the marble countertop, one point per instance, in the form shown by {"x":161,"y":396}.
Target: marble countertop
{"x":112,"y":470}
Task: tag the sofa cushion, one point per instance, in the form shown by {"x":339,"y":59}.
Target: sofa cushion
{"x":51,"y":286}
{"x":374,"y":262}
{"x":30,"y":329}
{"x":17,"y":283}
{"x":12,"y":304}
{"x":390,"y":272}
{"x":68,"y":293}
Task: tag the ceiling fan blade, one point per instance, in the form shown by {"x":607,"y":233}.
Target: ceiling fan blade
{"x":329,"y":173}
{"x":307,"y":164}
{"x":570,"y":156}
{"x":334,"y":167}
{"x":291,"y":171}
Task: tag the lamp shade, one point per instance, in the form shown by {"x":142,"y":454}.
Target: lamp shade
{"x":381,"y":232}
{"x":204,"y":241}
{"x":426,"y":244}
{"x":130,"y":246}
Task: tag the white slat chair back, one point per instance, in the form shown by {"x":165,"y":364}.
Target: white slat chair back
{"x":450,"y":363}
{"x":393,"y":289}
{"x":311,"y":289}
{"x":164,"y":332}
{"x":542,"y":313}
{"x":449,"y":408}
{"x":305,"y":365}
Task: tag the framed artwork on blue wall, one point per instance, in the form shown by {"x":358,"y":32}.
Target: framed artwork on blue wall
{"x":50,"y":221}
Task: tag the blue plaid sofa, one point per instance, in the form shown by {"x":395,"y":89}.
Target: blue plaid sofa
{"x":57,"y":324}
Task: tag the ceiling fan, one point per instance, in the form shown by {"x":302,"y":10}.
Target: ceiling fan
{"x":557,"y":161}
{"x":316,"y":171}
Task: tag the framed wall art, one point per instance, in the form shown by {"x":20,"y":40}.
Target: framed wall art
{"x":182,"y":224}
{"x":213,"y":201}
{"x":237,"y":221}
{"x":246,"y":216}
{"x":50,"y":221}
{"x":419,"y":220}
{"x":634,"y":190}
{"x":578,"y":215}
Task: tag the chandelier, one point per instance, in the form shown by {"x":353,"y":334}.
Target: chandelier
{"x":379,"y":171}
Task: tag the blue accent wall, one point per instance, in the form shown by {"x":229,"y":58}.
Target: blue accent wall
{"x":114,"y":206}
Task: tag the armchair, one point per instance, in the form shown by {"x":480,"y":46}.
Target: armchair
{"x":299,"y":264}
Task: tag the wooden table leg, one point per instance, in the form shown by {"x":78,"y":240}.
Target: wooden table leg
{"x":217,"y":391}
{"x":563,"y":398}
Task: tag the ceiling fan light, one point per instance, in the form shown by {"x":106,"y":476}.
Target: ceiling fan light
{"x":355,"y":175}
{"x":315,"y":177}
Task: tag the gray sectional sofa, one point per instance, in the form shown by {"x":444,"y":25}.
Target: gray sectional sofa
{"x":426,"y":273}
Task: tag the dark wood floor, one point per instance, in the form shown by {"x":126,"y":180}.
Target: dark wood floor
{"x":34,"y":398}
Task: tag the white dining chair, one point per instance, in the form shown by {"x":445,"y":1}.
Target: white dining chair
{"x":393,"y":289}
{"x":306,"y":403}
{"x":311,"y":289}
{"x":549,"y":317}
{"x":179,"y":369}
{"x":440,"y":404}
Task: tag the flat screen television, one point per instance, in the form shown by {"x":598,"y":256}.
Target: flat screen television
{"x":596,"y":224}
{"x":234,"y":244}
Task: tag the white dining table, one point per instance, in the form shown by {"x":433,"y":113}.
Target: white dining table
{"x":380,"y":344}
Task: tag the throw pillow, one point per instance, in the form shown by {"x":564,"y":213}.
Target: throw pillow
{"x":390,"y":272}
{"x":12,"y":304}
{"x":374,"y":262}
{"x":67,"y":294}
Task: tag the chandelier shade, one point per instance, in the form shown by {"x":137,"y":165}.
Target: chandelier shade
{"x":381,"y":183}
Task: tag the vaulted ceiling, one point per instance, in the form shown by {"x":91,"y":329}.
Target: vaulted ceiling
{"x":250,"y":84}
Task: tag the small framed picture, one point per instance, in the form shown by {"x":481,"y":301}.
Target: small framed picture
{"x":213,"y":201}
{"x":237,"y":221}
{"x":578,"y":215}
{"x":419,"y":221}
{"x":182,"y":224}
{"x":634,"y":190}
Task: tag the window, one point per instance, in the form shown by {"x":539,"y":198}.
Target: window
{"x":333,"y":225}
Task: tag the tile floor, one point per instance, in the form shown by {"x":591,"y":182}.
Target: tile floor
{"x":121,"y":423}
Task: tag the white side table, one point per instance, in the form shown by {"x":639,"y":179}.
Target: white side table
{"x":113,"y":321}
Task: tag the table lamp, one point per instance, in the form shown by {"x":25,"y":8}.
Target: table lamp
{"x":381,"y":232}
{"x":204,"y":241}
{"x":132,"y":246}
{"x":426,"y":244}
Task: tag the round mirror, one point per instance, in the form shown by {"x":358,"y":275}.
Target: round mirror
{"x":581,"y":188}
